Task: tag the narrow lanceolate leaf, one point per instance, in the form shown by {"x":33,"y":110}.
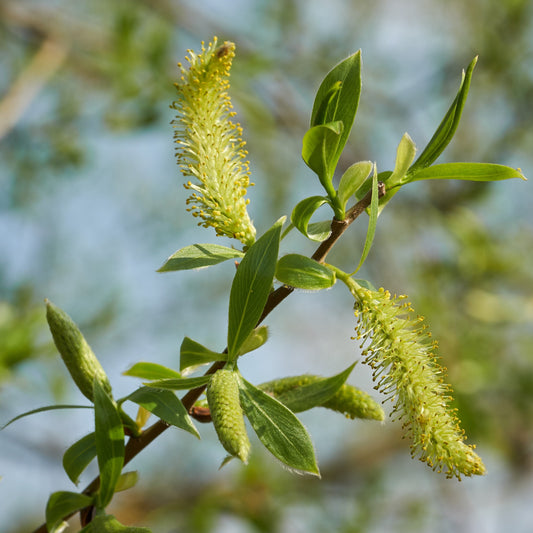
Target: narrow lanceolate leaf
{"x":164,"y":404}
{"x":78,"y":456}
{"x":180,"y":384}
{"x":61,"y":504}
{"x":109,"y":438}
{"x":278,"y":429}
{"x":405,"y":155}
{"x":146,"y":370}
{"x":446,"y":130}
{"x":42,"y":409}
{"x":300,"y":393}
{"x":372,"y":221}
{"x":193,"y":353}
{"x":109,"y":524}
{"x":467,"y":171}
{"x":337,"y":98}
{"x":302,"y":213}
{"x":304,"y":273}
{"x":250,"y":288}
{"x":199,"y":256}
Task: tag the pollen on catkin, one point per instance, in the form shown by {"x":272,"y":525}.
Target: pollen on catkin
{"x":210,"y":149}
{"x":401,"y":353}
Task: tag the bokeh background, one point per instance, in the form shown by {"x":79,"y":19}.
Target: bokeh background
{"x":91,"y":204}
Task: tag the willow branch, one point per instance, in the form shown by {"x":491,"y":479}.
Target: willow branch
{"x":136,"y":445}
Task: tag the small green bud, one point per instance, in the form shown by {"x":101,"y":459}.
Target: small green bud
{"x":227,"y":415}
{"x":76,"y":353}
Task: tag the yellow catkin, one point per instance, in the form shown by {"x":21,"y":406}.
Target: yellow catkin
{"x":209,"y":146}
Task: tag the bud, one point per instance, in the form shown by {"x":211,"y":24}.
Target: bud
{"x":226,"y":413}
{"x":76,"y":353}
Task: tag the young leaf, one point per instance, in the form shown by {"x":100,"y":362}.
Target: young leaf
{"x":304,"y":273}
{"x":145,"y":370}
{"x":198,"y":256}
{"x":63,"y":503}
{"x":341,"y":103}
{"x":446,"y":130}
{"x":109,"y":524}
{"x":278,"y":429}
{"x":109,"y":438}
{"x":250,"y":288}
{"x":255,"y":340}
{"x":318,"y":151}
{"x":78,"y":456}
{"x":352,"y":179}
{"x":42,"y":409}
{"x":467,"y":171}
{"x":193,"y":353}
{"x":164,"y":404}
{"x":372,"y":221}
{"x":304,"y":397}
{"x":180,"y":384}
{"x":404,"y":157}
{"x":302,"y":213}
{"x":127,"y":480}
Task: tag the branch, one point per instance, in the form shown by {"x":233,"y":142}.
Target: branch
{"x":136,"y":445}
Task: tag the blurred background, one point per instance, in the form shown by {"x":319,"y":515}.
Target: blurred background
{"x":91,"y":204}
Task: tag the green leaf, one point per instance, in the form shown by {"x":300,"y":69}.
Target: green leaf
{"x":250,"y":288}
{"x":164,"y":404}
{"x":304,"y":273}
{"x":109,"y":524}
{"x":405,"y":155}
{"x":339,"y":104}
{"x":78,"y":456}
{"x":109,"y":438}
{"x":446,"y":130}
{"x":146,"y":370}
{"x":314,"y":394}
{"x":372,"y":221}
{"x":127,"y":480}
{"x":400,"y":175}
{"x":61,"y":504}
{"x":351,"y":180}
{"x":278,"y":429}
{"x":192,"y":353}
{"x":302,"y":213}
{"x":318,"y":151}
{"x":366,"y":284}
{"x":46,"y":408}
{"x":199,"y":256}
{"x":255,"y":340}
{"x":467,"y":171}
{"x":180,"y":384}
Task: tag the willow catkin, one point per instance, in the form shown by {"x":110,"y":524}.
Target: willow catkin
{"x":227,"y":415}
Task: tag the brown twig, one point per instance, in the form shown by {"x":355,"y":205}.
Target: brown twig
{"x":136,"y":444}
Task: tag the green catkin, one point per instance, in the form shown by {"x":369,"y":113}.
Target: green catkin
{"x":227,"y":415}
{"x":400,"y":351}
{"x":76,"y":353}
{"x":348,"y":400}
